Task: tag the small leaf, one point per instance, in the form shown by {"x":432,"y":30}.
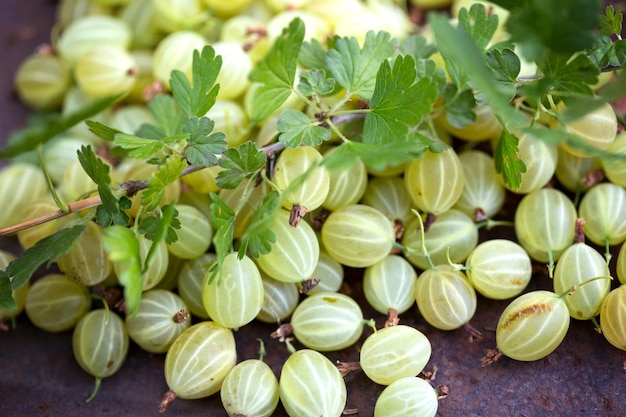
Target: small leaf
{"x":258,"y":238}
{"x":459,"y":106}
{"x":505,"y":65}
{"x":238,"y":163}
{"x":355,"y":68}
{"x":101,"y":130}
{"x":140,"y":148}
{"x":315,"y":83}
{"x":165,"y":111}
{"x":123,"y":248}
{"x":6,"y":293}
{"x":507,"y":160}
{"x":197,"y":98}
{"x":223,"y":221}
{"x":164,"y":176}
{"x":277,"y":72}
{"x":398,"y":103}
{"x":162,"y":230}
{"x":30,"y":138}
{"x":296,"y":128}
{"x":44,"y":252}
{"x":312,"y":55}
{"x":204,"y":146}
{"x":478,"y":24}
{"x":611,"y":22}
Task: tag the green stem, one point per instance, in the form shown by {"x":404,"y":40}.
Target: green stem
{"x":573,"y":289}
{"x":607,"y":250}
{"x":290,"y":347}
{"x":431,"y":265}
{"x":261,"y":349}
{"x":57,"y":200}
{"x":95,"y":390}
{"x":550,"y":264}
{"x":596,"y":325}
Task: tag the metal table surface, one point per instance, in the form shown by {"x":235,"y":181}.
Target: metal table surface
{"x":585,"y":376}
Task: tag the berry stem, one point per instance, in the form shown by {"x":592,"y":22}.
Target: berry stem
{"x":95,"y":390}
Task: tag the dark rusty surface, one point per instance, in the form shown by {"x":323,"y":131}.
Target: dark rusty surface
{"x":585,"y":376}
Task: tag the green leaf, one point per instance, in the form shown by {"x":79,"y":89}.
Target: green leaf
{"x":46,"y":251}
{"x":30,"y":138}
{"x":239,"y":163}
{"x":296,"y":128}
{"x":611,"y":22}
{"x":312,"y":55}
{"x":478,"y":24}
{"x":315,"y":83}
{"x":569,"y":75}
{"x":258,"y":238}
{"x":459,"y":106}
{"x":505,"y":65}
{"x":607,"y":53}
{"x":163,"y":230}
{"x":101,"y":130}
{"x":378,"y":156}
{"x":123,"y":248}
{"x":161,"y":225}
{"x":6,"y":293}
{"x":277,"y":72}
{"x":111,"y":210}
{"x":167,"y":114}
{"x":197,"y":97}
{"x":355,"y":68}
{"x":457,"y":46}
{"x":508,"y":161}
{"x":417,"y":46}
{"x":140,"y":148}
{"x":398,"y":103}
{"x":223,"y":221}
{"x":559,"y":26}
{"x":203,"y":146}
{"x":164,"y":176}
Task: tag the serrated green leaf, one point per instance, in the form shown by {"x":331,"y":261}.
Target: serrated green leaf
{"x":508,"y":161}
{"x":140,"y":148}
{"x":607,"y":53}
{"x":417,"y":46}
{"x":312,"y":55}
{"x":6,"y":293}
{"x":315,"y":83}
{"x":123,"y":248}
{"x":457,"y":46}
{"x":611,"y":22}
{"x":277,"y":72}
{"x":164,"y":229}
{"x":93,"y":166}
{"x":296,"y":129}
{"x":101,"y":130}
{"x":167,"y":114}
{"x":563,"y":27}
{"x":569,"y":75}
{"x":355,"y":68}
{"x":203,"y":146}
{"x":197,"y":98}
{"x":505,"y":65}
{"x":459,"y":106}
{"x":398,"y":103}
{"x":30,"y":138}
{"x":223,"y":221}
{"x":164,"y":176}
{"x":46,"y":251}
{"x":258,"y":238}
{"x":378,"y":156}
{"x":238,"y":163}
{"x":478,"y":24}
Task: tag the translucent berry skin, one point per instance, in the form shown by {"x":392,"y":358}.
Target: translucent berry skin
{"x":435,"y":181}
{"x":279,"y":300}
{"x":603,"y":207}
{"x":499,"y":269}
{"x":250,"y":389}
{"x":532,"y":326}
{"x":445,"y":298}
{"x":161,"y":317}
{"x":394,"y":352}
{"x":199,"y":360}
{"x":55,"y":303}
{"x":409,"y":396}
{"x":358,"y":235}
{"x":327,"y":322}
{"x":390,"y":284}
{"x":613,"y":317}
{"x":311,"y":386}
{"x":234,"y":296}
{"x":100,"y":343}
